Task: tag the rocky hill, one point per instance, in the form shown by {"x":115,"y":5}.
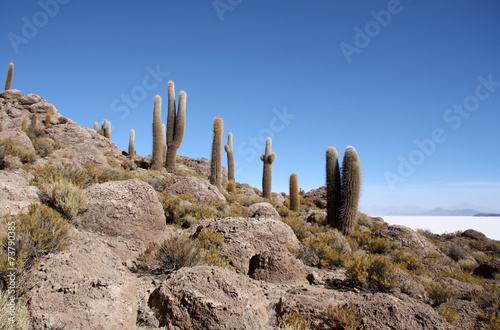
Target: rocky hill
{"x":101,"y":241}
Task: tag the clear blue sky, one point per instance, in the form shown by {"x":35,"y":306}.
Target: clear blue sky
{"x":376,"y":75}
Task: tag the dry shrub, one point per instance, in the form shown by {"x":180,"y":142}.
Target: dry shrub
{"x":293,"y":321}
{"x":456,"y":253}
{"x":375,"y":272}
{"x":64,"y":196}
{"x":45,"y":146}
{"x":467,"y":265}
{"x":68,"y":172}
{"x":344,"y":317}
{"x":210,"y":244}
{"x":177,"y":251}
{"x":329,"y":247}
{"x":14,"y":149}
{"x":449,"y":314}
{"x":108,"y":173}
{"x":440,"y":292}
{"x":407,"y":261}
{"x":381,"y":245}
{"x":21,"y":320}
{"x":37,"y":233}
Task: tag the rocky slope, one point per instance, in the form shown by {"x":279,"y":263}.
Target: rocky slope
{"x":273,"y":273}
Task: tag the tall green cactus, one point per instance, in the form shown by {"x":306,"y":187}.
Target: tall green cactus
{"x":157,"y":162}
{"x":107,"y":130}
{"x":131,"y":144}
{"x":176,"y":122}
{"x":333,"y":187}
{"x":294,"y":193}
{"x":351,"y":189}
{"x":216,"y":163}
{"x":230,"y":157}
{"x":8,"y":81}
{"x":267,"y":177}
{"x":33,"y":122}
{"x":163,"y":134}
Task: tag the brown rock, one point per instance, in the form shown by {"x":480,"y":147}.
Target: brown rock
{"x":30,"y":99}
{"x":80,"y":154}
{"x":83,"y":287}
{"x":314,"y":216}
{"x":488,"y":269}
{"x":15,"y":193}
{"x":197,"y":187}
{"x":205,"y":297}
{"x":477,"y":235}
{"x":129,"y":209}
{"x":246,"y":190}
{"x":277,"y":267}
{"x":318,"y":196}
{"x":11,"y":94}
{"x":263,"y":210}
{"x":71,"y":133}
{"x":246,"y":237}
{"x":19,"y":137}
{"x":278,"y":198}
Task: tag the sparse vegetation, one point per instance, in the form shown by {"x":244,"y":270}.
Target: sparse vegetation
{"x":440,"y":292}
{"x":293,"y":321}
{"x":344,"y":317}
{"x":64,"y":196}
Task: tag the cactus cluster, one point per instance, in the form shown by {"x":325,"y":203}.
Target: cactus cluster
{"x":176,"y":121}
{"x":343,"y":191}
{"x":216,"y":162}
{"x":8,"y":81}
{"x":267,"y":177}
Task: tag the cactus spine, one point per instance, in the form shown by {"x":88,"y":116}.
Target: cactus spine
{"x":8,"y":81}
{"x":230,"y":157}
{"x":131,"y":145}
{"x":333,"y":187}
{"x":351,"y":187}
{"x":216,"y":163}
{"x":157,"y":136}
{"x":294,"y":193}
{"x":267,"y":177}
{"x":175,"y":125}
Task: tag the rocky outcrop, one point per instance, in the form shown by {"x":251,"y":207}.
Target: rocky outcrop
{"x":197,"y":187}
{"x":129,"y":209}
{"x":263,"y":210}
{"x":19,"y":137}
{"x":79,"y":154}
{"x":15,"y":193}
{"x":318,"y":196}
{"x":205,"y":297}
{"x":83,"y":287}
{"x":278,"y":267}
{"x":477,"y":235}
{"x":71,"y":133}
{"x":247,"y":237}
{"x":488,"y":269}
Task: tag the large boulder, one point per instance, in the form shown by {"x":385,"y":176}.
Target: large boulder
{"x":19,"y":137}
{"x":72,"y":133}
{"x":247,"y":237}
{"x":205,"y":297}
{"x":263,"y":210}
{"x":15,"y":193}
{"x":129,"y":209}
{"x":477,"y":235}
{"x":488,"y":269}
{"x":197,"y":187}
{"x":80,"y":154}
{"x":83,"y":287}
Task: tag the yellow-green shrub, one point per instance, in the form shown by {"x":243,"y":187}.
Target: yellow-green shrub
{"x":371,"y":271}
{"x":449,"y":314}
{"x":440,"y":292}
{"x":344,"y":316}
{"x":329,"y":247}
{"x":64,"y":196}
{"x":37,"y":233}
{"x":45,"y":146}
{"x":108,"y":173}
{"x":48,"y":173}
{"x":12,"y":148}
{"x":381,"y":245}
{"x":293,"y":320}
{"x":407,"y":261}
{"x":210,"y":244}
